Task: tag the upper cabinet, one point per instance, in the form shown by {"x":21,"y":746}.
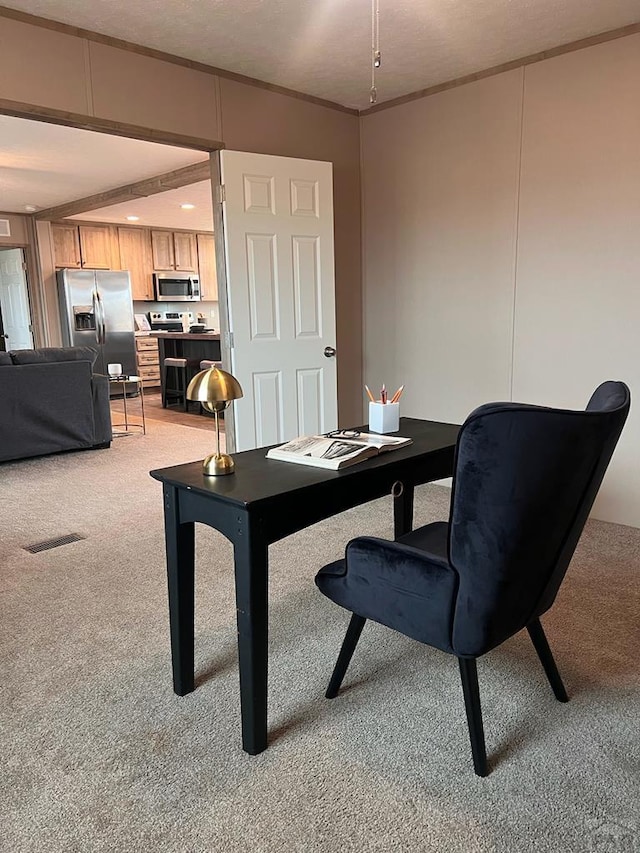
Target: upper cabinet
{"x":136,"y":256}
{"x":87,"y":246}
{"x":174,"y":250}
{"x":186,"y":254}
{"x":140,"y":250}
{"x":95,"y":247}
{"x":207,"y":266}
{"x":162,"y":248}
{"x":66,"y":245}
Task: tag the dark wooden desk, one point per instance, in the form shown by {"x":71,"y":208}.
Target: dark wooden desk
{"x":263,"y":501}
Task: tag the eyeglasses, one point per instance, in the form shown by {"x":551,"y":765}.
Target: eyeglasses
{"x":343,"y":433}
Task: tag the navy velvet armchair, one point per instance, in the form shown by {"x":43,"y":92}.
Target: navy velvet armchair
{"x":525,"y":480}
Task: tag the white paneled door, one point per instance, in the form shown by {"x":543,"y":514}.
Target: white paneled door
{"x":14,"y":301}
{"x":278,"y":232}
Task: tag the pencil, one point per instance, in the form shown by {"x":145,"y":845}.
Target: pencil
{"x":398,"y":394}
{"x":370,"y":395}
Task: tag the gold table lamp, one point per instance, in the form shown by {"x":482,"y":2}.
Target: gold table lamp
{"x":215,"y":389}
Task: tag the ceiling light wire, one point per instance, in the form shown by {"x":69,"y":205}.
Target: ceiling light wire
{"x":376,"y":57}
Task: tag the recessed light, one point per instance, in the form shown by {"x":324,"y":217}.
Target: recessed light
{"x":30,"y":208}
{"x":132,"y":218}
{"x":187,"y":206}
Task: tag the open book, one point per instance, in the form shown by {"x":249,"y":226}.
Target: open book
{"x":335,"y":452}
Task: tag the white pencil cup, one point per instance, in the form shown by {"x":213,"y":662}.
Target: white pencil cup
{"x":384,"y":417}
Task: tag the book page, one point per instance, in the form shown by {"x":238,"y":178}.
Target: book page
{"x":319,"y":447}
{"x":374,"y":439}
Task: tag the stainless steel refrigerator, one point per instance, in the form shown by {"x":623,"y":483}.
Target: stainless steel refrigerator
{"x":96,"y":310}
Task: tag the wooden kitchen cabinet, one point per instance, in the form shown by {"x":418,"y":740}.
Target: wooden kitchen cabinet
{"x":136,"y":256}
{"x":207,"y":266}
{"x":162,"y":248}
{"x":139,"y":250}
{"x":148,"y":361}
{"x":184,"y":251}
{"x":95,"y":247}
{"x":66,"y":245}
{"x":88,"y":246}
{"x":174,"y":250}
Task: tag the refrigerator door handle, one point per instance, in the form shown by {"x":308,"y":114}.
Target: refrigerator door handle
{"x":102,"y":330}
{"x":96,"y":313}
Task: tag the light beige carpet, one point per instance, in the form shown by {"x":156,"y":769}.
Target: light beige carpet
{"x":99,"y":755}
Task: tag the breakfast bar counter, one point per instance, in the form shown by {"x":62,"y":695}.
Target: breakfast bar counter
{"x":191,"y":345}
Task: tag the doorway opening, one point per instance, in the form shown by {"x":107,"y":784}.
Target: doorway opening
{"x":16,"y":329}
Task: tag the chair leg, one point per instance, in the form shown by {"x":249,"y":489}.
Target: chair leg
{"x":346,"y":652}
{"x":469,"y":677}
{"x":165,"y":373}
{"x":183,"y":389}
{"x":541,"y":645}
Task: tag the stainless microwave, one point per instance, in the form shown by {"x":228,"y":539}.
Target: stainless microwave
{"x":176,"y":286}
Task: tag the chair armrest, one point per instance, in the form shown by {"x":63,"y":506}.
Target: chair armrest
{"x":401,"y":587}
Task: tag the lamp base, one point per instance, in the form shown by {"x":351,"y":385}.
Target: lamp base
{"x":218,"y":464}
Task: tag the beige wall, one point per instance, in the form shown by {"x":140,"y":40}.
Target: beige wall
{"x":127,"y":87}
{"x":440,"y":176}
{"x":578,"y":294}
{"x":72,"y":74}
{"x":18,"y":228}
{"x":470,"y":221}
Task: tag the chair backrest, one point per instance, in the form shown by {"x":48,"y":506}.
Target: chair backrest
{"x":525,"y":480}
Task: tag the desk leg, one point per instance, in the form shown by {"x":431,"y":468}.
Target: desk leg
{"x":251,"y":572}
{"x":179,"y":542}
{"x":403,"y":511}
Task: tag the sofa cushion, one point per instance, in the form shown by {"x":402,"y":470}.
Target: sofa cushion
{"x":5,"y":358}
{"x":48,"y":355}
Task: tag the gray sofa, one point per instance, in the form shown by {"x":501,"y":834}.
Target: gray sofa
{"x":51,"y":400}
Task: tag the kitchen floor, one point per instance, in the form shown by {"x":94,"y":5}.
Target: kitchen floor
{"x":172,"y":414}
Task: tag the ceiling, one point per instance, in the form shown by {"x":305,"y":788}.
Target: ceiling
{"x":323,"y":47}
{"x":162,"y":210}
{"x":44,"y":165}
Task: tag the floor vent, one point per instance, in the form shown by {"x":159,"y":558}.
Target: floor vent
{"x":54,"y":543}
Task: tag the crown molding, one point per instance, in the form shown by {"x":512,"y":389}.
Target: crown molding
{"x":132,"y":47}
{"x":570,"y":47}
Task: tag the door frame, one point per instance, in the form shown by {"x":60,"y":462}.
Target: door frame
{"x":29,"y":260}
{"x":33,"y":112}
{"x":35,"y":283}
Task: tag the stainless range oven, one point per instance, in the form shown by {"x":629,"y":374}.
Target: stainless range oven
{"x":176,"y":286}
{"x":168,"y":321}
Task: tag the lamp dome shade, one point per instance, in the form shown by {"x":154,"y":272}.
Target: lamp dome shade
{"x":214,"y":386}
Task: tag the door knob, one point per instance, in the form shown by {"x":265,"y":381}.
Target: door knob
{"x":329,"y":352}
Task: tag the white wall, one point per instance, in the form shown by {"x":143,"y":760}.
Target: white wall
{"x":502,"y":244}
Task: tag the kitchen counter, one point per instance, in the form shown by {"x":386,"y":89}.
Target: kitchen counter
{"x":194,"y":346}
{"x":186,"y":336}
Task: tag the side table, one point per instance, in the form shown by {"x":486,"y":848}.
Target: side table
{"x":129,"y":426}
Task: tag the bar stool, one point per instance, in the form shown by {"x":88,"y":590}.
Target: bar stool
{"x":176,"y":375}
